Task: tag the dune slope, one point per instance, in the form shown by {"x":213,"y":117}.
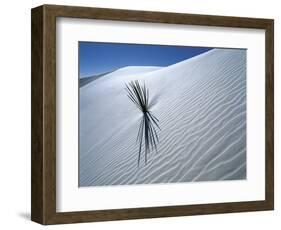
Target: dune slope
{"x":201,"y":107}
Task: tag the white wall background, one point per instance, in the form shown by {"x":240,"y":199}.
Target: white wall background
{"x":15,"y":113}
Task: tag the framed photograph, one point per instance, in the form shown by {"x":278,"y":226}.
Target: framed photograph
{"x":140,"y":114}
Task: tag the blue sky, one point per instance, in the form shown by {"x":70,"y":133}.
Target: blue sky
{"x":97,"y":57}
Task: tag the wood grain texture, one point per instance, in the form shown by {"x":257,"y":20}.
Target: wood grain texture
{"x":37,"y":115}
{"x":269,"y":116}
{"x":43,"y":158}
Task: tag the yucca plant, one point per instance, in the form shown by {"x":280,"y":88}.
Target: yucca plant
{"x":147,"y":133}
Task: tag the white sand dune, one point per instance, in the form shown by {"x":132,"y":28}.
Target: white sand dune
{"x":201,"y":106}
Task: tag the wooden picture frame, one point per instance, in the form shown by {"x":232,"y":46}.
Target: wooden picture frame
{"x":43,"y":160}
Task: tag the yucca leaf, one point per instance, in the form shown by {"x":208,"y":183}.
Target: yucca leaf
{"x":147,"y":133}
